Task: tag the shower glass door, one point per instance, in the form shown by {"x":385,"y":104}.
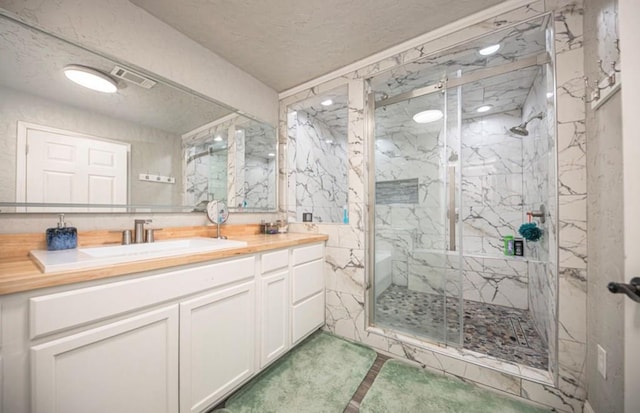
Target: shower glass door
{"x":418,"y":288}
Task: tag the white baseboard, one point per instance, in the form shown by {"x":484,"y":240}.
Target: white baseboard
{"x":587,"y":408}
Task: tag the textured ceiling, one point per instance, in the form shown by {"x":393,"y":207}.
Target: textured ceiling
{"x":285,"y":43}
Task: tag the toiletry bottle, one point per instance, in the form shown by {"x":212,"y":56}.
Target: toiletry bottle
{"x":345,"y":215}
{"x":518,"y":247}
{"x":62,"y":237}
{"x":508,"y":245}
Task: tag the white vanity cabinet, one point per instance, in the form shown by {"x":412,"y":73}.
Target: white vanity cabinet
{"x":307,"y":292}
{"x":217,"y":345}
{"x":127,"y":366}
{"x":274,"y":306}
{"x":176,"y":340}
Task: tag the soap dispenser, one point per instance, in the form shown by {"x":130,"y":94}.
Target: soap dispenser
{"x":62,"y":237}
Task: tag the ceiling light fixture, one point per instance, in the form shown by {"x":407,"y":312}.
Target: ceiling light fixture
{"x":327,"y":102}
{"x":90,"y":78}
{"x":489,"y":50}
{"x":428,"y":116}
{"x":218,"y":138}
{"x":271,"y":154}
{"x":485,"y":108}
{"x":329,"y":141}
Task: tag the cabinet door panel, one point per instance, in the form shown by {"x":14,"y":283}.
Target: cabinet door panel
{"x":307,"y":316}
{"x":217,"y":345}
{"x":308,"y":280}
{"x":126,"y":366}
{"x":275,"y":317}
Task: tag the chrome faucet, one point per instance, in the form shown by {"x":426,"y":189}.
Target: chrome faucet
{"x":138,"y":231}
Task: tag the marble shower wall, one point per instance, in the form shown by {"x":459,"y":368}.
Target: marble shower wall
{"x":205,"y":175}
{"x":318,"y":184}
{"x":416,"y":233}
{"x":347,"y":292}
{"x":492,"y":205}
{"x":259,"y":190}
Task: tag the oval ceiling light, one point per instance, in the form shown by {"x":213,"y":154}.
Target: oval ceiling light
{"x":329,"y":141}
{"x":90,"y":78}
{"x":271,"y":154}
{"x":489,"y":50}
{"x":327,"y":102}
{"x":428,"y":116}
{"x":218,"y":138}
{"x":485,"y":108}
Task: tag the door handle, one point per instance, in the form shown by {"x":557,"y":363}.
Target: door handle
{"x":632,"y":290}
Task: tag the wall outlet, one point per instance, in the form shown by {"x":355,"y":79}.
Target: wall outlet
{"x":602,"y":362}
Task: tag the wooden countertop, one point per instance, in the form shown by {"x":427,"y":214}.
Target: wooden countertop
{"x":19,"y":273}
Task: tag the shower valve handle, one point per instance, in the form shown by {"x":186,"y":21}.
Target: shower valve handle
{"x":632,"y":290}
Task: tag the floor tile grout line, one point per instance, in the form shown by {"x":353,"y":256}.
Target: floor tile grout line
{"x":354,"y":404}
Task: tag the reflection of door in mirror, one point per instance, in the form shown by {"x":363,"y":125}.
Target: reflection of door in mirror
{"x":317,"y":151}
{"x":63,"y":167}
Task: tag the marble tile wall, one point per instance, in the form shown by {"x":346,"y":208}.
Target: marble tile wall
{"x":347,"y":293}
{"x":205,"y":175}
{"x":318,"y":184}
{"x":492,"y":204}
{"x":259,"y":186}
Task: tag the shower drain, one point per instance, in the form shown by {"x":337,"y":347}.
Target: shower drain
{"x":518,"y":332}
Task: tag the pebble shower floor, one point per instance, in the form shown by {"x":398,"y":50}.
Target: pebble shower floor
{"x":502,"y":332}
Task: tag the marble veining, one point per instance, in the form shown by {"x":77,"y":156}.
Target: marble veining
{"x":318,"y":175}
{"x":346,"y":302}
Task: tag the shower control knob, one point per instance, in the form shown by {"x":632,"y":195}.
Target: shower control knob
{"x":632,"y":290}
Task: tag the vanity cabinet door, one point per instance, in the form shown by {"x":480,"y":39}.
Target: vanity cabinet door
{"x":217,"y":345}
{"x":307,"y":292}
{"x":275,"y":316}
{"x":127,"y":366}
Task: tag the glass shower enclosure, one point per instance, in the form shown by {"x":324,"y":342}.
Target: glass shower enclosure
{"x":464,"y":153}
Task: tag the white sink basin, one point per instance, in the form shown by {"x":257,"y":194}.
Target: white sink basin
{"x":50,"y":261}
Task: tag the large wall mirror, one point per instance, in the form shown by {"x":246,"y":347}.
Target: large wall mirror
{"x":151,"y":146}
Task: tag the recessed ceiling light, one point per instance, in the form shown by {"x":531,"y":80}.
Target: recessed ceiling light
{"x":271,"y":154}
{"x":239,"y":131}
{"x":428,"y":116}
{"x":327,"y":102}
{"x":90,"y":78}
{"x":218,"y":138}
{"x":329,"y":141}
{"x":484,"y":108}
{"x":489,"y":50}
{"x":549,"y":95}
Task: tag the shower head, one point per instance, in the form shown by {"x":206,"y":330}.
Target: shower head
{"x":521,"y":129}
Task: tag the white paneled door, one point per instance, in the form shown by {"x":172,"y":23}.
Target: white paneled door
{"x":630,"y":60}
{"x":68,"y":168}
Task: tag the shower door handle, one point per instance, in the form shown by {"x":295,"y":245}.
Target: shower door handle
{"x":632,"y":290}
{"x":452,"y":208}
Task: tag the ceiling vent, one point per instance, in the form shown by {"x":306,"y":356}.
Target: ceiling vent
{"x":132,"y":77}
